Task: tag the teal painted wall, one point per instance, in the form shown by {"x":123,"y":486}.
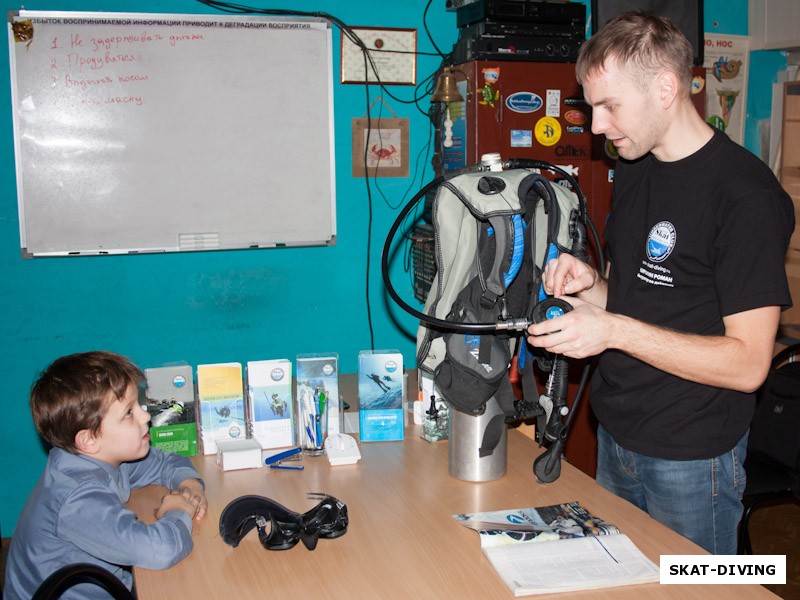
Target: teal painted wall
{"x":210,"y":306}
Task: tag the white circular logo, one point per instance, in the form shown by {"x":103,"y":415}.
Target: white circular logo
{"x":327,"y":370}
{"x":179,"y":381}
{"x":390,"y":366}
{"x":661,"y":241}
{"x":277,"y":374}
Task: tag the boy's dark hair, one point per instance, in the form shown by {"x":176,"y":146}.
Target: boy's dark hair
{"x":644,"y":44}
{"x":74,"y":392}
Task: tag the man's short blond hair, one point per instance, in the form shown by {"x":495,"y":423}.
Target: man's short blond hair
{"x":643,"y":45}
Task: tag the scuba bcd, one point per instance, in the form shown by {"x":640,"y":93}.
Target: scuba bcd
{"x":494,"y":232}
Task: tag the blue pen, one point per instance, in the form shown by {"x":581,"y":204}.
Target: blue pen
{"x":310,"y":436}
{"x":317,"y":418}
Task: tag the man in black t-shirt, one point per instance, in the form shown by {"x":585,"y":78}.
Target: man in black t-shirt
{"x":686,"y":314}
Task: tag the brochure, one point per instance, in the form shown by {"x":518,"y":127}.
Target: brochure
{"x":269,"y":402}
{"x":558,"y":548}
{"x":220,"y":392}
{"x":380,"y":396}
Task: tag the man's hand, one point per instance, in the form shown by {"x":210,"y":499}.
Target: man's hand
{"x":584,"y":331}
{"x":566,"y":275}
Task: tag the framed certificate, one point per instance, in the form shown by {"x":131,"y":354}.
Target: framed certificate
{"x":393,"y":54}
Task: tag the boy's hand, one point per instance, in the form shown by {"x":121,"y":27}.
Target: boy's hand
{"x":192,"y":490}
{"x":175,"y":501}
{"x":190,"y":498}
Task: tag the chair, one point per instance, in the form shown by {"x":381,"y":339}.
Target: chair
{"x":66,"y":577}
{"x":773,"y":449}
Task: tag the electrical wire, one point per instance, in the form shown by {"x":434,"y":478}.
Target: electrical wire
{"x":369,"y":218}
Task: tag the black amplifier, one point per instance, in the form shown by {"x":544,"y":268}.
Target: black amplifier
{"x":522,"y":29}
{"x":535,"y":49}
{"x":559,"y":14}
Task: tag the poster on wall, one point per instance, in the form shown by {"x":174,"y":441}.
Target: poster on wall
{"x":380,"y":147}
{"x":727,"y":58}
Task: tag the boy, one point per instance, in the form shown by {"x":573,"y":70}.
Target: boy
{"x":86,"y":406}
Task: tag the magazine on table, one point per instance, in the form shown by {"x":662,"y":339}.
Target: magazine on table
{"x":558,"y":548}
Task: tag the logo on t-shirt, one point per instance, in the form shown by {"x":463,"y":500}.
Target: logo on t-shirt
{"x":661,"y":241}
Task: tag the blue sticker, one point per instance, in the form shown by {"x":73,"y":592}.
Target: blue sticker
{"x":553,"y":312}
{"x":521,"y":138}
{"x":524,"y":102}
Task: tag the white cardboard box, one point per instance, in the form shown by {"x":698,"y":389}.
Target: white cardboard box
{"x":239,"y":454}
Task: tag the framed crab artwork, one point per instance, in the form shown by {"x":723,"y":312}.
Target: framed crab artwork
{"x":380,"y":147}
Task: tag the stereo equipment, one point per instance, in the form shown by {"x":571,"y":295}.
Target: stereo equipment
{"x":686,"y":14}
{"x":527,"y":48}
{"x":503,"y":28}
{"x":571,"y":14}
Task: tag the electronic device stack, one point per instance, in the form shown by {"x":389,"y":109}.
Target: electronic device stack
{"x":522,"y":30}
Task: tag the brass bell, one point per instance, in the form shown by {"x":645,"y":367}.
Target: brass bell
{"x":446,"y":88}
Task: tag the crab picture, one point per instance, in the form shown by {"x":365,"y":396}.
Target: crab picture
{"x":384,"y":155}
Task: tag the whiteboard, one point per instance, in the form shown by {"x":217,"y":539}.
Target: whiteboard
{"x":149,"y":132}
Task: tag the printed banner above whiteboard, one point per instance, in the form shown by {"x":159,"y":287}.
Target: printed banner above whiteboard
{"x":161,"y":133}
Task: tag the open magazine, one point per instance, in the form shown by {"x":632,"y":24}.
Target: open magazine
{"x":558,"y":548}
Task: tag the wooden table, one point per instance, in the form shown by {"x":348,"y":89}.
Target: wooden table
{"x":402,"y":541}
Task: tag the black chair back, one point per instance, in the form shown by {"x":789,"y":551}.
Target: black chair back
{"x":66,"y":577}
{"x":772,"y":465}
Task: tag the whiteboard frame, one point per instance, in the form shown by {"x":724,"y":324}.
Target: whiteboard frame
{"x":204,"y":240}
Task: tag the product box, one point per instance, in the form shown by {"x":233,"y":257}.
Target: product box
{"x":241,"y":453}
{"x":169,"y":399}
{"x":220,"y":394}
{"x":320,"y":373}
{"x":270,"y":410}
{"x":380,"y":395}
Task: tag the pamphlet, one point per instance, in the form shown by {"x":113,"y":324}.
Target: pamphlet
{"x":380,"y":396}
{"x":220,"y":391}
{"x":559,"y":548}
{"x":169,"y":399}
{"x":269,"y":402}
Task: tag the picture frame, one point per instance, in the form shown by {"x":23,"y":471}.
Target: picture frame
{"x":393,"y":52}
{"x":386,"y":144}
